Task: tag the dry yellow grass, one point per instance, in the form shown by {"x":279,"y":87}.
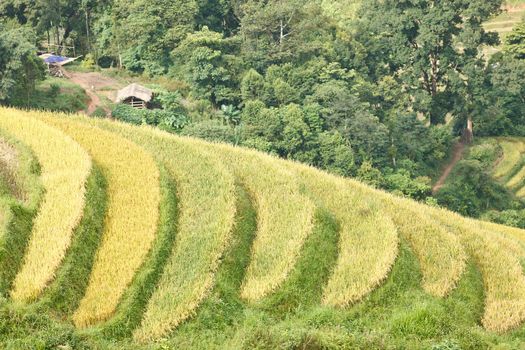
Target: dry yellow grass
{"x":500,"y":267}
{"x":368,"y":242}
{"x":441,"y":256}
{"x":512,"y":153}
{"x":5,"y":217}
{"x":8,"y":164}
{"x":516,"y":179}
{"x":206,"y":194}
{"x":131,"y":220}
{"x":65,"y":167}
{"x":284,"y":217}
{"x":512,"y":238}
{"x":368,"y":246}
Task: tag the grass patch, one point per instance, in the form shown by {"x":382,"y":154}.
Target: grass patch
{"x":284,"y":218}
{"x":500,"y":267}
{"x":22,"y":191}
{"x":512,"y":154}
{"x":65,"y":293}
{"x":305,"y":286}
{"x":206,"y":192}
{"x":57,"y":95}
{"x":440,"y":253}
{"x":14,"y":242}
{"x":133,"y":304}
{"x":131,"y":219}
{"x":65,"y":167}
{"x":224,"y":308}
{"x":368,"y":238}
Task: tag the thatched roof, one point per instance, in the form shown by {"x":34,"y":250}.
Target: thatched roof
{"x":136,"y":91}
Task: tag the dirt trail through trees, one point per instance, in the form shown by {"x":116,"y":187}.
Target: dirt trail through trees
{"x":457,"y":153}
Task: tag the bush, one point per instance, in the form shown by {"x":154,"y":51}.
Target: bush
{"x":370,"y":175}
{"x":168,"y":120}
{"x":486,"y":153}
{"x":88,"y":63}
{"x":128,"y":114}
{"x":211,"y":130}
{"x":402,"y":182}
{"x":473,"y":191}
{"x":515,"y":218}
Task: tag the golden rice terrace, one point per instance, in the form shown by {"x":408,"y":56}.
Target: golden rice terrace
{"x":123,"y":237}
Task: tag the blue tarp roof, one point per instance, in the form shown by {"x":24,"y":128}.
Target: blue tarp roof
{"x":55,"y":59}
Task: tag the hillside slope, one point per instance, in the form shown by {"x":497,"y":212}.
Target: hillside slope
{"x":188,"y":244}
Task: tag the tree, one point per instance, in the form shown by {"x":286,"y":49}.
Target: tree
{"x":147,"y":31}
{"x":278,"y":31}
{"x":209,"y":66}
{"x":515,"y":41}
{"x":20,"y":67}
{"x":422,"y":43}
{"x":252,"y":85}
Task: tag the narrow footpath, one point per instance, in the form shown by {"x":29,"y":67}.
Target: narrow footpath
{"x":457,"y":154}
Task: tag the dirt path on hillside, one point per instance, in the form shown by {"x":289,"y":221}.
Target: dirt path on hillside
{"x":457,"y":153}
{"x":91,"y":83}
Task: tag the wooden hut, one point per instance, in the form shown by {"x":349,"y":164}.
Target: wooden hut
{"x":135,"y":95}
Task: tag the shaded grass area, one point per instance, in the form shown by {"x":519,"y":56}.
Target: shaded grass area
{"x":20,"y":195}
{"x":224,"y":313}
{"x":305,"y":286}
{"x":398,"y":315}
{"x":64,"y":294}
{"x":14,"y":243}
{"x":55,"y":94}
{"x":223,"y":308}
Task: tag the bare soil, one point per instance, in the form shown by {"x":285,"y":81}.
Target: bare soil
{"x":93,"y":83}
{"x":457,"y":154}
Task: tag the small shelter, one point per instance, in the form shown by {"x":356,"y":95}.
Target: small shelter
{"x":135,"y":95}
{"x":54,"y":63}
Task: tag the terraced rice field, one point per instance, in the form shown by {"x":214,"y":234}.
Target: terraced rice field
{"x":504,"y":23}
{"x":139,"y":239}
{"x":513,"y":13}
{"x":510,"y":169}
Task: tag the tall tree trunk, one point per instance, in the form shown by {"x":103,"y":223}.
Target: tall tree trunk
{"x":468,"y":133}
{"x":87,"y":30}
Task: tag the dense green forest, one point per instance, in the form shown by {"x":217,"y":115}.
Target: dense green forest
{"x":379,"y":91}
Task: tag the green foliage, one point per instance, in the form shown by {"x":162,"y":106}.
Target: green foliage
{"x":401,"y":182}
{"x":252,"y":86}
{"x":431,"y":48}
{"x":335,"y":154}
{"x":170,"y":116}
{"x":275,"y":31}
{"x":472,"y":190}
{"x":56,"y":94}
{"x":505,"y":113}
{"x":510,"y":217}
{"x":370,"y":175}
{"x":230,"y":114}
{"x":145,"y":31}
{"x":515,"y":41}
{"x":20,"y":68}
{"x":88,"y":63}
{"x":211,"y":130}
{"x":209,"y":65}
